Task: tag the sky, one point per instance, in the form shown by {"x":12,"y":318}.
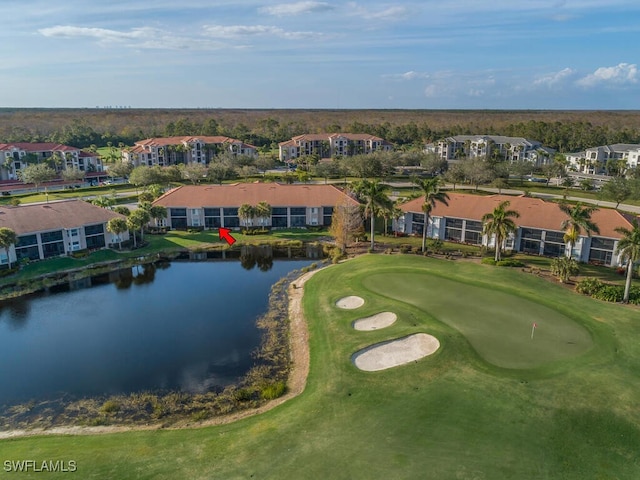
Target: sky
{"x":429,"y":54}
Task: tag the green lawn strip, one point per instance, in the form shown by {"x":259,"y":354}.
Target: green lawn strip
{"x":440,"y":417}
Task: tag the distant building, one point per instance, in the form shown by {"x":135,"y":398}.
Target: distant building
{"x":594,"y":160}
{"x":57,"y":228}
{"x":538,"y":230}
{"x":327,"y":145}
{"x":167,"y":151}
{"x":511,"y":149}
{"x":16,"y":156}
{"x":215,"y":206}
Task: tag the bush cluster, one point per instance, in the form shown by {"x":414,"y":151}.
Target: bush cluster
{"x":255,"y":231}
{"x":607,"y":292}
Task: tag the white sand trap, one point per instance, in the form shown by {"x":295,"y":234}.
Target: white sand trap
{"x":349,"y":303}
{"x":395,"y":352}
{"x":375,"y":322}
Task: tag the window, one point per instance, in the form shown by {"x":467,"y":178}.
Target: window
{"x":601,"y":250}
{"x":94,"y":229}
{"x":26,"y":240}
{"x":531,"y":233}
{"x":178,"y":212}
{"x":327,"y":214}
{"x":555,"y":237}
{"x":298,"y":211}
{"x":453,"y":229}
{"x":54,"y":236}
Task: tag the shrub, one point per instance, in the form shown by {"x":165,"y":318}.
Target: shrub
{"x":274,"y":390}
{"x":510,"y":263}
{"x":404,"y":248}
{"x":563,"y":268}
{"x":255,"y":231}
{"x":488,"y":261}
{"x":110,"y":406}
{"x":589,"y":286}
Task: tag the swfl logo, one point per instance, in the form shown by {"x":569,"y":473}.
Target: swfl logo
{"x":43,"y":466}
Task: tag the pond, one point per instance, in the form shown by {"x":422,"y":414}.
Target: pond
{"x":184,"y":325}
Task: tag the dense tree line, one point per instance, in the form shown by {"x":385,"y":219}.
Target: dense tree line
{"x":564,"y":131}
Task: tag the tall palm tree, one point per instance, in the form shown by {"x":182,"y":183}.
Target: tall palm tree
{"x":500,"y":223}
{"x":7,"y":238}
{"x":374,"y":197}
{"x":263,"y":211}
{"x":629,"y":248}
{"x":246,"y":212}
{"x":431,"y":189}
{"x":117,"y":226}
{"x":579,"y":220}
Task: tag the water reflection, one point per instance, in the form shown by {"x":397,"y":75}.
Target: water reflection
{"x":186,"y":326}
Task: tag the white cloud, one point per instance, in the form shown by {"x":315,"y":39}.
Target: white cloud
{"x":239,"y":31}
{"x":410,"y":75}
{"x":145,"y":37}
{"x":67,"y":31}
{"x":623,"y":73}
{"x":298,"y":8}
{"x":552,"y":79}
{"x":392,"y":13}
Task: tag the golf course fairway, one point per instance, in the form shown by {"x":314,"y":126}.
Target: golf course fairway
{"x":491,"y":403}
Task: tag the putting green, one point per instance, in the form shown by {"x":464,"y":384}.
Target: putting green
{"x":497,"y":324}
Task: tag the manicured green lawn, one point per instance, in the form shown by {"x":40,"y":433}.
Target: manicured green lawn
{"x":497,"y":324}
{"x":453,"y":415}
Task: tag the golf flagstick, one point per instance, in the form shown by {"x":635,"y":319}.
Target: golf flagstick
{"x":533,"y":329}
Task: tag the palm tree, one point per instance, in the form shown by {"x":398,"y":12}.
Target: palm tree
{"x":431,"y":189}
{"x":7,"y":238}
{"x":137,"y":220}
{"x":117,"y":226}
{"x":157,"y":212}
{"x":500,"y":223}
{"x":375,"y":200}
{"x":263,"y":211}
{"x":629,"y":248}
{"x":579,"y":220}
{"x":246,"y":212}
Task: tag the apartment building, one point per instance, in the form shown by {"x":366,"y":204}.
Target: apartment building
{"x":511,"y":149}
{"x":167,"y":151}
{"x":15,"y":156}
{"x":538,"y":232}
{"x":594,"y":160}
{"x":327,"y":145}
{"x":57,"y":228}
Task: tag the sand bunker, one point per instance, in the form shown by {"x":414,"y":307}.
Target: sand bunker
{"x":349,"y":303}
{"x":395,"y":352}
{"x":375,"y":322}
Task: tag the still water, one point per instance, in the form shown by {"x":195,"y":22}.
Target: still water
{"x":187,"y":326}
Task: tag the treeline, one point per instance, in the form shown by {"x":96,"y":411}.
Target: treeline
{"x":564,"y":131}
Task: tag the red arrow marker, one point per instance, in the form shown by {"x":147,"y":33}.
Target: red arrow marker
{"x":225,"y":234}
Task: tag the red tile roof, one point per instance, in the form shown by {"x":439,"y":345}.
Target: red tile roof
{"x":165,"y":141}
{"x":534,"y":212}
{"x":38,"y":147}
{"x":234,"y":195}
{"x":53,"y":216}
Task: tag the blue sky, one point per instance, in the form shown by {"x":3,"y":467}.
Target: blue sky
{"x":498,"y":54}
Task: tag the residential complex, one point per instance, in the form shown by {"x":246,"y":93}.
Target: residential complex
{"x":327,"y":145}
{"x":594,"y":160}
{"x":188,"y":149}
{"x":512,"y":149}
{"x":214,"y":206}
{"x":538,"y":230}
{"x":15,"y":156}
{"x":57,"y":228}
